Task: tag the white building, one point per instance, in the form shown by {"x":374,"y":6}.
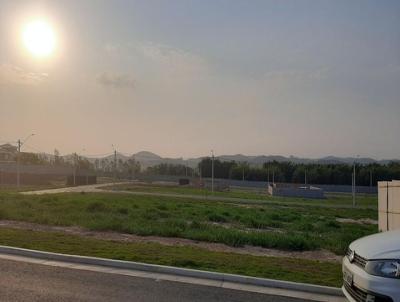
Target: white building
{"x":389,"y":205}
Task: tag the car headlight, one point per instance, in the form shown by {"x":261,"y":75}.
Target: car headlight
{"x":384,"y":268}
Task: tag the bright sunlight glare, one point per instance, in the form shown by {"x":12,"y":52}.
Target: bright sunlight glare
{"x":39,"y":38}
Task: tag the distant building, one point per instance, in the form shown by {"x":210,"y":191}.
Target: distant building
{"x":293,"y":190}
{"x":7,"y":152}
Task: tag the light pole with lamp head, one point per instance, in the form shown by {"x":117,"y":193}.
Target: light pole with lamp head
{"x":115,"y":163}
{"x":212,"y":171}
{"x":20,"y":144}
{"x":354,"y":181}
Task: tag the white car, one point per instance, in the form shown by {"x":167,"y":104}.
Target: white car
{"x":371,"y":269}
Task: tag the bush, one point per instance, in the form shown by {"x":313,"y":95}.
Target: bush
{"x":332,"y":224}
{"x":123,"y":211}
{"x":96,"y":207}
{"x":162,"y":207}
{"x":216,"y":218}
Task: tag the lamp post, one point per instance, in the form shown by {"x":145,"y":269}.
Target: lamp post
{"x":20,"y":144}
{"x":115,"y":164}
{"x":212,"y":171}
{"x":74,"y":168}
{"x":87,"y":178}
{"x":354,"y":181}
{"x":75,"y":164}
{"x":305,"y":177}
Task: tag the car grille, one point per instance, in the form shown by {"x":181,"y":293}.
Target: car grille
{"x":361,"y":296}
{"x":358,"y":260}
{"x":355,"y":293}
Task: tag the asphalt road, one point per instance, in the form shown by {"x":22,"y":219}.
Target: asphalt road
{"x":20,"y":281}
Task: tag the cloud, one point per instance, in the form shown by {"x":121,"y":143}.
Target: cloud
{"x":11,"y":74}
{"x":158,"y":59}
{"x":315,"y":74}
{"x":112,"y":49}
{"x":116,"y":80}
{"x":173,"y":60}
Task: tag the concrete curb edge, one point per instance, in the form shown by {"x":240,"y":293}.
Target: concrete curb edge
{"x":302,"y":287}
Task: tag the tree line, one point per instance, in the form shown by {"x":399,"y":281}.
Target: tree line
{"x":128,"y":168}
{"x":288,"y":172}
{"x":312,"y":173}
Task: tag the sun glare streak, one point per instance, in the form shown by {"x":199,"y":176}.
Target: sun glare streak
{"x":39,"y":38}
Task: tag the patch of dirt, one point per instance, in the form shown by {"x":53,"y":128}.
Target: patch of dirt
{"x":323,"y":255}
{"x":232,"y":226}
{"x":357,"y":221}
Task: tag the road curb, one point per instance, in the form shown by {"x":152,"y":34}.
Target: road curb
{"x":309,"y":288}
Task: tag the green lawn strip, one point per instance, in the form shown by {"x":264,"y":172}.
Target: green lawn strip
{"x":271,"y":226}
{"x":289,"y":269}
{"x":332,"y":198}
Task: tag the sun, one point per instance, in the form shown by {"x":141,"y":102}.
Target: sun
{"x":39,"y":38}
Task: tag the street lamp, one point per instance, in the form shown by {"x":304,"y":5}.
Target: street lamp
{"x":115,"y":163}
{"x":75,"y":163}
{"x":20,"y":144}
{"x":354,"y":181}
{"x":212,"y":171}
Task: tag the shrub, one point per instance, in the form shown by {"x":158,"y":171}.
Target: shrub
{"x":216,"y":218}
{"x":123,"y":211}
{"x":186,"y":263}
{"x":162,"y":207}
{"x":96,"y":207}
{"x":332,"y":224}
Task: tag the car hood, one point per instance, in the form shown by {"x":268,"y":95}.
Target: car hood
{"x":378,"y":246}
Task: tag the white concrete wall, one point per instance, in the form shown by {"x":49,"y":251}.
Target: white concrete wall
{"x":389,"y":205}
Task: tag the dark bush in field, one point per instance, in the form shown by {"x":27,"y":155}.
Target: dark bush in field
{"x":123,"y":211}
{"x":216,"y":218}
{"x":96,"y":207}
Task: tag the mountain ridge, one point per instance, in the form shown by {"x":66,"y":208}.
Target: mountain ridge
{"x":147,"y":159}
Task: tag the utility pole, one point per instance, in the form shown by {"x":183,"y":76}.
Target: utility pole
{"x":212,"y":171}
{"x":354,"y":184}
{"x":19,"y":156}
{"x":305,"y":177}
{"x":134,"y":167}
{"x":201,"y":172}
{"x":75,"y":164}
{"x":115,"y":166}
{"x":18,"y":162}
{"x":370,"y":178}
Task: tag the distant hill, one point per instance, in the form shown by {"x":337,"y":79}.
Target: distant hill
{"x":146,"y":155}
{"x":148,"y":159}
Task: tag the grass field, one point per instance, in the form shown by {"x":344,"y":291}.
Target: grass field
{"x":24,"y":188}
{"x":285,"y":226}
{"x":370,"y":200}
{"x":290,"y":269}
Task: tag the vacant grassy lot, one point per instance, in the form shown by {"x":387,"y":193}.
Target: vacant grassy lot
{"x":370,"y":200}
{"x":24,"y":188}
{"x":283,"y":226}
{"x":298,"y":270}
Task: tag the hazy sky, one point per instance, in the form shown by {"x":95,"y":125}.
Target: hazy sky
{"x":179,"y":78}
